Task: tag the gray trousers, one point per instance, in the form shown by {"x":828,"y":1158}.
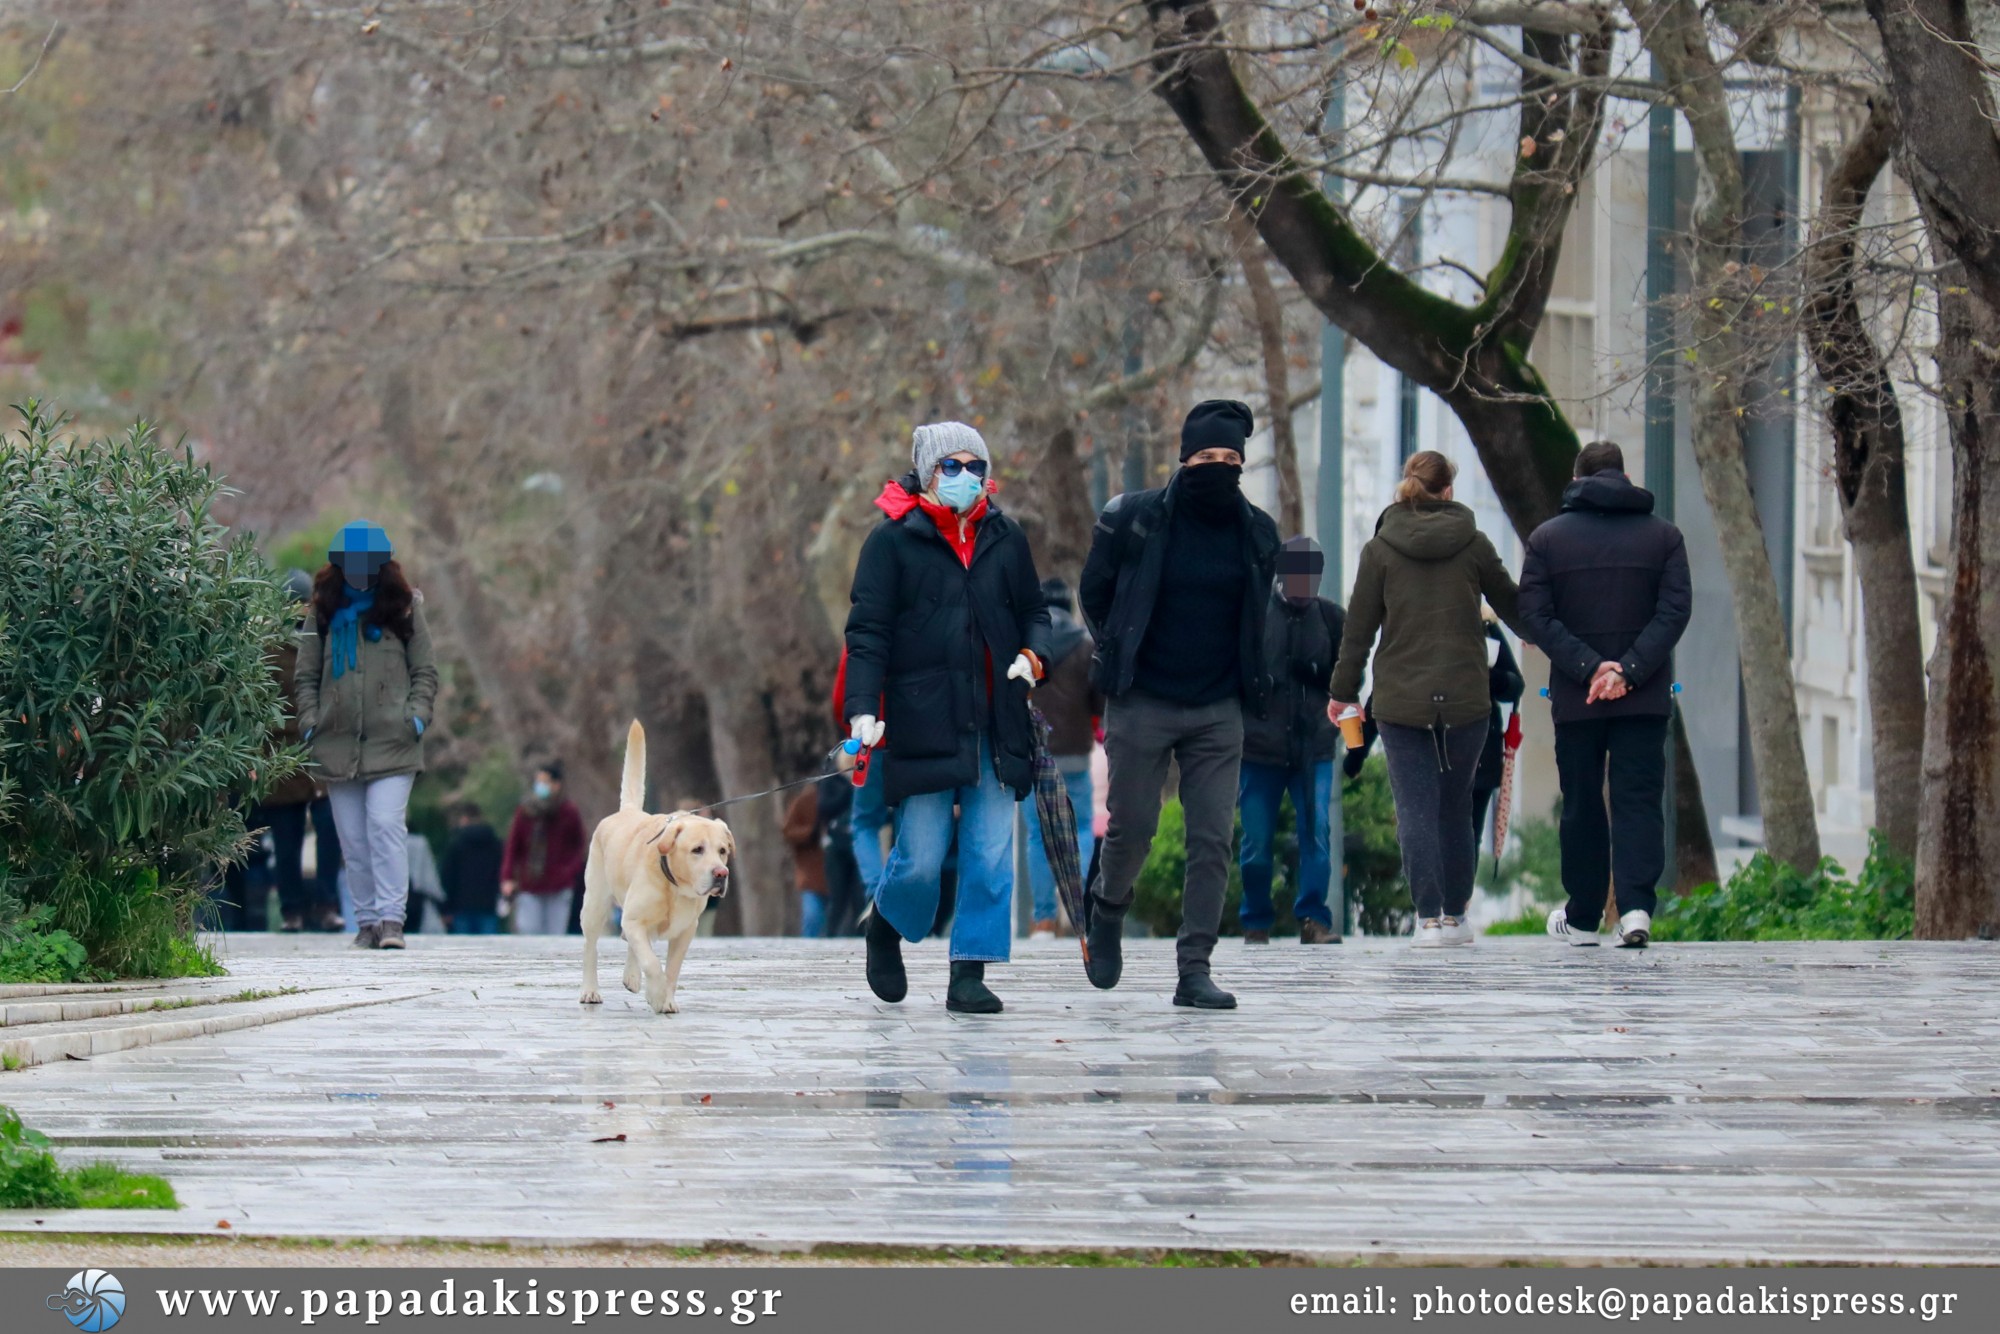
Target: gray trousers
{"x":1433,"y":789}
{"x":1141,"y":733}
{"x":375,"y":845}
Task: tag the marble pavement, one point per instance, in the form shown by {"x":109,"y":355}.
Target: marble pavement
{"x":1519,"y":1100}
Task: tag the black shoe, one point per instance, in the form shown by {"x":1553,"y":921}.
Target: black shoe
{"x":886,"y":977}
{"x":1256,"y":937}
{"x":1103,"y":948}
{"x":1311,"y":932}
{"x":968,"y":993}
{"x":1200,"y":992}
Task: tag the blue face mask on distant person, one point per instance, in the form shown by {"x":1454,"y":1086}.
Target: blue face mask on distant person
{"x":961,"y":492}
{"x":543,"y":791}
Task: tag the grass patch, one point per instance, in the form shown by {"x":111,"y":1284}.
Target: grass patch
{"x":31,"y":1178}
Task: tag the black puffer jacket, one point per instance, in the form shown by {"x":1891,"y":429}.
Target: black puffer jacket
{"x":1300,"y":645}
{"x":927,"y":636}
{"x":1121,"y":582}
{"x":1606,"y":581}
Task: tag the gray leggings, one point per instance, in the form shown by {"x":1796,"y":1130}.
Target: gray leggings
{"x":1434,"y":811}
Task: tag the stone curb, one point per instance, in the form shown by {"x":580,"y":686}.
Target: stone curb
{"x":41,"y":1048}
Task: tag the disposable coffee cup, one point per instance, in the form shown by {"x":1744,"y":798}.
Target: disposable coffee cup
{"x":1350,"y":728}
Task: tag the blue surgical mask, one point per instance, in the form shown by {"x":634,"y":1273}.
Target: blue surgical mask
{"x":544,"y":791}
{"x":961,"y":492}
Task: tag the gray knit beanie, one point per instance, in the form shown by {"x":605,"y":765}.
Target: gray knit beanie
{"x":932,"y":442}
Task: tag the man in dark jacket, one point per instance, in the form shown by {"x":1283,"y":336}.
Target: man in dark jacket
{"x":947,"y":634}
{"x":1174,"y":591}
{"x":470,"y":873}
{"x":1072,"y":704}
{"x":1605,"y":592}
{"x":1290,"y":749}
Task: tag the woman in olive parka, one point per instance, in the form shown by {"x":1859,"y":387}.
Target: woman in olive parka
{"x":366,"y":683}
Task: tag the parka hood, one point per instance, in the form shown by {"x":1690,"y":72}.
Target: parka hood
{"x":1607,"y":493}
{"x":1428,"y":530}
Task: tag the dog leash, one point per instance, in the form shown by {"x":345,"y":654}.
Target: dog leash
{"x":827,"y":771}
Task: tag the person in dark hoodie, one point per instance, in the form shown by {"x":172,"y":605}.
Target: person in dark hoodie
{"x":947,"y":634}
{"x":1290,"y":749}
{"x":470,"y":873}
{"x":1072,"y":705}
{"x":1606,"y":594}
{"x":1419,"y":585}
{"x":1174,"y":590}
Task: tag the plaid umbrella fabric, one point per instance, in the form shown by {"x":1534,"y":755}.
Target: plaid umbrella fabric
{"x":1058,"y":817}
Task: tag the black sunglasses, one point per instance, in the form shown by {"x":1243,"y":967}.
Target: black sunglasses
{"x":953,"y":467}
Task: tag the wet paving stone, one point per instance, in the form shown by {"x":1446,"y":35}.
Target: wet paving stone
{"x":1725,"y":1102}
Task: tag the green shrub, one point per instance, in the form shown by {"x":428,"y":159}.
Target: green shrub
{"x":135,"y":694}
{"x":31,"y":1178}
{"x":33,"y":949}
{"x":1767,"y":900}
{"x":1378,"y":900}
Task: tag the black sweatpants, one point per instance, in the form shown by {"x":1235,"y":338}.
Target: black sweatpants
{"x":1431,"y":775}
{"x":1631,"y":847}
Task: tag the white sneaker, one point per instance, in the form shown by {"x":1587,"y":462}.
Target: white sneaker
{"x":1560,"y":928}
{"x":1635,"y":929}
{"x":1457,"y":931}
{"x":1430,"y":934}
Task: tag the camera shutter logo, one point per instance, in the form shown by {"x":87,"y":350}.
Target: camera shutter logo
{"x":93,"y":1302}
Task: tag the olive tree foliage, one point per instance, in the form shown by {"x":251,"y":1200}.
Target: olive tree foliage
{"x":135,"y":693}
{"x":621,"y":315}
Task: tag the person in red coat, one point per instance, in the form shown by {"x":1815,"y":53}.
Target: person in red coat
{"x":546,"y":845}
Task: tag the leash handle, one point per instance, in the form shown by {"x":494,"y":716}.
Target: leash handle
{"x":858,"y":775}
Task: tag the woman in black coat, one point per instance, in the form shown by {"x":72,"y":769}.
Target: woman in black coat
{"x":946,"y":637}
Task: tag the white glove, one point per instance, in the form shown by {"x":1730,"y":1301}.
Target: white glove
{"x":867,"y":729}
{"x":1022,"y":670}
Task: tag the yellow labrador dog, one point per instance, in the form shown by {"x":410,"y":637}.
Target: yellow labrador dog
{"x":662,"y":870}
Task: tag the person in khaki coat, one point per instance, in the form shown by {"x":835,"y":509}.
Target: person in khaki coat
{"x":366,"y":683}
{"x":1419,"y":584}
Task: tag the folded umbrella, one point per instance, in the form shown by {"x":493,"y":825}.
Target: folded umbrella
{"x":1058,"y":817}
{"x":1503,"y":803}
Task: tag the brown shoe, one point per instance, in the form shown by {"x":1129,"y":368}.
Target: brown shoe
{"x":1256,"y":937}
{"x":391,"y":937}
{"x":1312,"y":933}
{"x":368,"y":937}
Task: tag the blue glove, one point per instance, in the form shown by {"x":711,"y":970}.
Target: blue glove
{"x":418,"y":723}
{"x":309,"y":734}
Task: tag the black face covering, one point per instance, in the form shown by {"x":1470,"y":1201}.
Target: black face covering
{"x":1212,"y":489}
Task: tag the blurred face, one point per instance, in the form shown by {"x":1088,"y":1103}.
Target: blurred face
{"x":547,"y":784}
{"x":1298,"y":585}
{"x":1214,"y":454}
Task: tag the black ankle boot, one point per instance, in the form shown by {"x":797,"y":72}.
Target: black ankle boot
{"x":886,"y":977}
{"x":968,"y":993}
{"x":1104,"y":956}
{"x":1103,"y":943}
{"x":1199,"y":991}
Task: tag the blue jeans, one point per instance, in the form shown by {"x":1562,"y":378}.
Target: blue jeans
{"x":1258,"y":792}
{"x":475,"y":924}
{"x":1040,"y":877}
{"x":871,"y":812}
{"x":812,"y":915}
{"x":907,"y":897}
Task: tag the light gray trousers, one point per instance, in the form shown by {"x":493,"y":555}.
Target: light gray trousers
{"x":371,"y":819}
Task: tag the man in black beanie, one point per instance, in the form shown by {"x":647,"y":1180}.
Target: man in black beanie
{"x":1174,"y":591}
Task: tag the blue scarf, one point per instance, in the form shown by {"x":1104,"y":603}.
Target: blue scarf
{"x":343,"y":630}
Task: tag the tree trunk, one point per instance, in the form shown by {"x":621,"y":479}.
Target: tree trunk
{"x":1675,"y":34}
{"x":1270,"y":319}
{"x":1694,"y":847}
{"x":1940,"y":77}
{"x":1866,"y":423}
{"x":1958,"y":841}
